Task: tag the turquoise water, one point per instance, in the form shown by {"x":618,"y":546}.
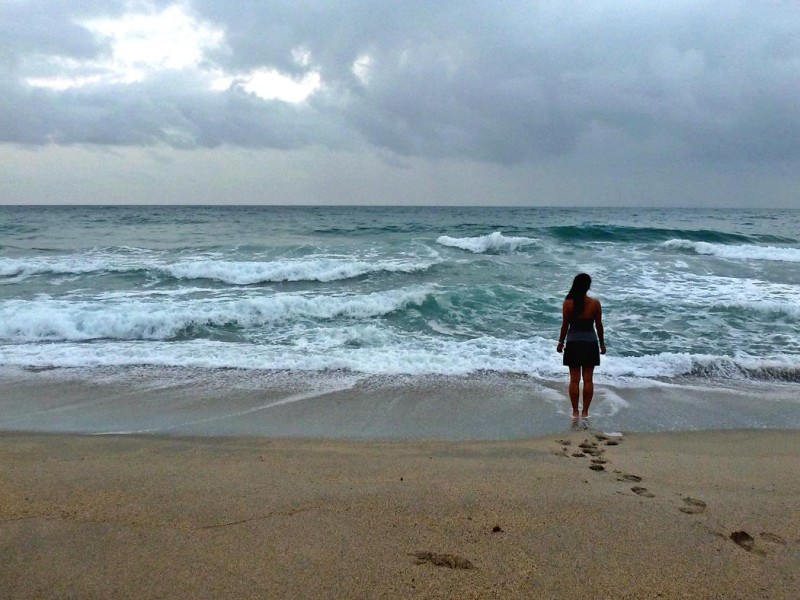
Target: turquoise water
{"x":399,"y":291}
{"x":391,"y":322}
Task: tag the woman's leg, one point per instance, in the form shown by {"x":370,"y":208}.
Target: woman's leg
{"x":574,"y":389}
{"x":588,"y":390}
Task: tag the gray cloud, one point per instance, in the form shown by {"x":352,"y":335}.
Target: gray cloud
{"x":31,"y":28}
{"x":146,"y":116}
{"x":498,"y":81}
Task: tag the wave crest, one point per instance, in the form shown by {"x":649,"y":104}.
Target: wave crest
{"x":231,"y":272}
{"x":622,"y":233}
{"x":494,"y":242}
{"x":736,"y":252}
{"x":322,"y":270}
{"x":27,"y":267}
{"x":668,"y":365}
{"x":56,"y":320}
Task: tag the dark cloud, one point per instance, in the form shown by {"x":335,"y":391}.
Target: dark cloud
{"x":29,"y":28}
{"x":143,"y":116}
{"x":498,"y":81}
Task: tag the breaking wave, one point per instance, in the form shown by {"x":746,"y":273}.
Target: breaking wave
{"x":736,"y":252}
{"x":59,"y":320}
{"x":322,"y":270}
{"x":494,"y":242}
{"x":231,"y":272}
{"x":370,"y":351}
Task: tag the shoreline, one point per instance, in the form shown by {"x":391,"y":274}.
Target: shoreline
{"x":351,"y":406}
{"x":153,"y":516}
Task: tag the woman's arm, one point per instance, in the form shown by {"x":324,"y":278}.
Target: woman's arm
{"x":566,"y":310}
{"x":598,"y":323}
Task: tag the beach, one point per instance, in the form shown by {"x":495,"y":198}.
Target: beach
{"x":399,"y":300}
{"x":246,"y":517}
{"x":367,"y":402}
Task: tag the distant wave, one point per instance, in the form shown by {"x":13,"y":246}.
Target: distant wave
{"x":26,"y":267}
{"x":618,"y":233}
{"x":364,"y":230}
{"x":58,"y":320}
{"x":494,"y":242}
{"x":232,"y":272}
{"x":736,"y":252}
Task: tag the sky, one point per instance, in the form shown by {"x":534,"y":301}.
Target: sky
{"x":412,"y":102}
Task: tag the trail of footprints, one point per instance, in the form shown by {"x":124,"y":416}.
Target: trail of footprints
{"x":597,"y":447}
{"x":691,"y":506}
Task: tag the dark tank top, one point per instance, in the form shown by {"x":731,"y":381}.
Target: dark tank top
{"x":581,"y":330}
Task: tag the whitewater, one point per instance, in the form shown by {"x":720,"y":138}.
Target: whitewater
{"x":363,"y":295}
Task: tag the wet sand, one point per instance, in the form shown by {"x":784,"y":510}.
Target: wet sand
{"x":677,"y":515}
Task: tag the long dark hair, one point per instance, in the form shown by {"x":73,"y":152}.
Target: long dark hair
{"x":577,"y":293}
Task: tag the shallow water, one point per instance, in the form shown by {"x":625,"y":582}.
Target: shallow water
{"x":480,"y":406}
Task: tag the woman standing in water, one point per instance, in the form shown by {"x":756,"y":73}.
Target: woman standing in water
{"x":582,"y":328}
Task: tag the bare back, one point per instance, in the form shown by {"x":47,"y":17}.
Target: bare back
{"x":591,"y":310}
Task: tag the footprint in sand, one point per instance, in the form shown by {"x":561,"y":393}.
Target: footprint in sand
{"x":629,"y":477}
{"x":599,"y":461}
{"x":693,"y":506}
{"x":743,"y":539}
{"x":596,"y":467}
{"x":451,"y":561}
{"x":772,"y":538}
{"x":642,"y":491}
{"x":578,"y":454}
{"x":590,"y":448}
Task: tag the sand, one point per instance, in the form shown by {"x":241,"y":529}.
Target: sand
{"x":159,"y":517}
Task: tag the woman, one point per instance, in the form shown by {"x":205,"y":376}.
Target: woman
{"x":582,"y":315}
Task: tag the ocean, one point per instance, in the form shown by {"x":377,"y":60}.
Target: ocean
{"x":391,"y":321}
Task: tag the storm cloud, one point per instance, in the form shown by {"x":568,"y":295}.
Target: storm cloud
{"x":685,"y":87}
{"x":492,"y":81}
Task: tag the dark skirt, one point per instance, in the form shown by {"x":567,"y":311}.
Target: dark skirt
{"x":582,"y":354}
